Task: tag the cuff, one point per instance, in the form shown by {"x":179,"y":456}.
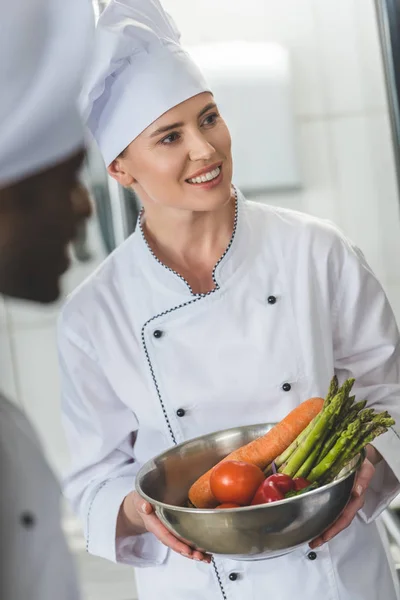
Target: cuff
{"x":385,"y":484}
{"x":142,"y":550}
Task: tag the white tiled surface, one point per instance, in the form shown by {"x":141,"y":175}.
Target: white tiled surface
{"x":386,"y":194}
{"x":340,"y":69}
{"x":356,"y":196}
{"x":290,"y":22}
{"x":369,"y":54}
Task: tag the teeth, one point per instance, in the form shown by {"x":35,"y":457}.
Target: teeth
{"x":206,"y":177}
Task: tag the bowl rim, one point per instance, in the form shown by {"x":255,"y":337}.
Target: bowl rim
{"x":204,"y":511}
{"x":358,"y":460}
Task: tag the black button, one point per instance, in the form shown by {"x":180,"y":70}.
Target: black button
{"x":271,"y":299}
{"x":27,"y":520}
{"x":233,"y":576}
{"x":180,"y":412}
{"x":286,"y":387}
{"x":158,"y":333}
{"x":312,"y":555}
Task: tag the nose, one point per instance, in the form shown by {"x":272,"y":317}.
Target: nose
{"x":200,"y":148}
{"x":81,"y":204}
{"x":82,"y":210}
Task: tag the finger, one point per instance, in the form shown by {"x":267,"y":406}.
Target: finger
{"x":153,"y":525}
{"x":341,"y":523}
{"x":197,"y":555}
{"x":363,"y":478}
{"x":142,"y":506}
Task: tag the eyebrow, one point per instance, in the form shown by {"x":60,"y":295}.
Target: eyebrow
{"x":167,"y":128}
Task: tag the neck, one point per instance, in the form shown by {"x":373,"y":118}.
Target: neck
{"x":190,"y":243}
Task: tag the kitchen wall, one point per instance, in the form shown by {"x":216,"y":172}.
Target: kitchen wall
{"x":345,"y":152}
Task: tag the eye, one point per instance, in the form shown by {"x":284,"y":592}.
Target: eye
{"x":211,"y":120}
{"x":170,"y":139}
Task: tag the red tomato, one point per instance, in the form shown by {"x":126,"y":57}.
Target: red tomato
{"x":267,"y":492}
{"x":282,"y":482}
{"x":235,"y":481}
{"x":299,"y":483}
{"x":229,"y":505}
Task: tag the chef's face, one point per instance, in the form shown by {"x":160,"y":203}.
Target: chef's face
{"x":182,"y":161}
{"x":38,"y":218}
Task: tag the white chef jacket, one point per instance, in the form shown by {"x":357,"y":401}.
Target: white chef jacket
{"x":35,"y":563}
{"x":294,"y":303}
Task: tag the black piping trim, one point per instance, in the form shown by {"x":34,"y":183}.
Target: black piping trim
{"x":221,"y":587}
{"x":196,"y":298}
{"x":101,"y":486}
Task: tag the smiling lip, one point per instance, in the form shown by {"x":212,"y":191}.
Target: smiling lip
{"x":209,"y":185}
{"x":207,"y":169}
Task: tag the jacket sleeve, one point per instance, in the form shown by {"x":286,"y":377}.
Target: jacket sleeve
{"x":366,"y":346}
{"x":100,"y":432}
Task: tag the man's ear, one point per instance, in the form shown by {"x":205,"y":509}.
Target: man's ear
{"x":117,"y":171}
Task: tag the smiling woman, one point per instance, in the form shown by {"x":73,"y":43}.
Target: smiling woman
{"x":216,"y":313}
{"x":182,"y":160}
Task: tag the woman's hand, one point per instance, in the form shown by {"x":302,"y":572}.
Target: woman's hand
{"x":138,"y":516}
{"x":356,"y":502}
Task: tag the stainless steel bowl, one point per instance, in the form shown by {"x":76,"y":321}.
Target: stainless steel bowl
{"x":248,"y":533}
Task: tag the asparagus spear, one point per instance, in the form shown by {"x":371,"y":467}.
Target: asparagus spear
{"x":346,"y":407}
{"x":379,"y":419}
{"x":318,"y":431}
{"x":342,"y":426}
{"x":333,"y":390}
{"x":334,"y":454}
{"x":309,"y":463}
{"x":368,"y":432}
{"x":282,"y":459}
{"x":313,"y":486}
{"x":348,"y":456}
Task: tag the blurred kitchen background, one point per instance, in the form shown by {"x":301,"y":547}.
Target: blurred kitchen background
{"x":315,"y":134}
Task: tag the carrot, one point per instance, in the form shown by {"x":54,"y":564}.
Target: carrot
{"x":261,"y":451}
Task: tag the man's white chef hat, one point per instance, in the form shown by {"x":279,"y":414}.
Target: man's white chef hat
{"x":44,"y":46}
{"x":139,"y":72}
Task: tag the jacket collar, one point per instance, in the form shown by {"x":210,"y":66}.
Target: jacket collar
{"x":232,"y":258}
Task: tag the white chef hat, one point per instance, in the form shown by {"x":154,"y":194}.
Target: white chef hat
{"x":44,"y":46}
{"x":139,"y":72}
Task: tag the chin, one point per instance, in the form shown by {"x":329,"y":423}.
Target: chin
{"x":43,"y":292}
{"x":209,"y":200}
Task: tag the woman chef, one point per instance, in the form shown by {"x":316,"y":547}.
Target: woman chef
{"x":216,"y":312}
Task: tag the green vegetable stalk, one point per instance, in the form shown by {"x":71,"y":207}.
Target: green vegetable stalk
{"x":310,"y":461}
{"x":342,"y":426}
{"x":333,"y":390}
{"x":334,"y":454}
{"x":319,"y":430}
{"x":282,"y":459}
{"x":348,"y":456}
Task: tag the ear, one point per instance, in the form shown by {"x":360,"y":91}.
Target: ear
{"x":117,"y":171}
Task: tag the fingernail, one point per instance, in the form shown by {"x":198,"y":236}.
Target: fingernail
{"x":144,"y":507}
{"x":359,"y":490}
{"x":186,"y":555}
{"x":198,"y":559}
